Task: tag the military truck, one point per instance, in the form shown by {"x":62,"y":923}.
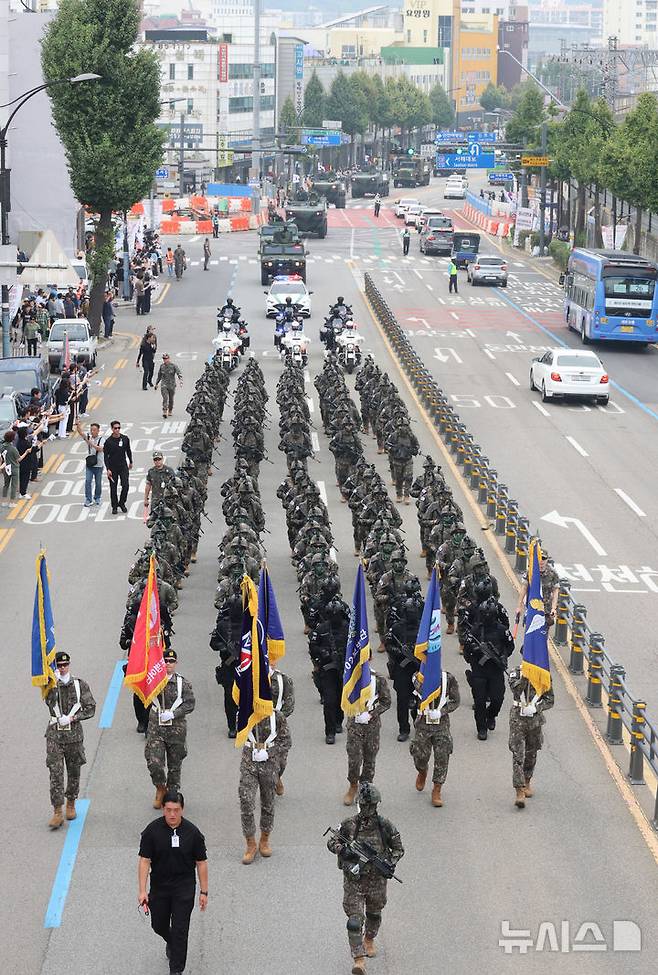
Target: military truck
{"x":332,"y":188}
{"x":282,"y":251}
{"x":309,"y":212}
{"x":370,"y":181}
{"x":411,"y":171}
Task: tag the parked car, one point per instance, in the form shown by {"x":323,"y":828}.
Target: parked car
{"x":487,"y":269}
{"x":570,"y":372}
{"x":82,"y":344}
{"x":21,"y":374}
{"x":10,"y":410}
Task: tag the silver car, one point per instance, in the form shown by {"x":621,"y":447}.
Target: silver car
{"x":488,"y":269}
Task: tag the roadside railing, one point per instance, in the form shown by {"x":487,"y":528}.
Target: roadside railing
{"x":599,"y":678}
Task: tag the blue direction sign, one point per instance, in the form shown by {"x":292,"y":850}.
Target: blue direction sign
{"x":162,"y":173}
{"x":500,"y":177}
{"x":469,"y":158}
{"x":481,"y":136}
{"x":321,"y":137}
{"x":447,"y":138}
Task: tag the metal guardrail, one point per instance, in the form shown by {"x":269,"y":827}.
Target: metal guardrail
{"x":588,"y":656}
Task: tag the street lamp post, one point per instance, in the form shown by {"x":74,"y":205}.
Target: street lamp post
{"x":5,"y":191}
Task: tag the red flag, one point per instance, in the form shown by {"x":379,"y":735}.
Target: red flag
{"x":67,"y":351}
{"x":146,"y":673}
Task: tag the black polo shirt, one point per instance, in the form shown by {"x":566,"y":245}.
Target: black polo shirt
{"x":171,"y":864}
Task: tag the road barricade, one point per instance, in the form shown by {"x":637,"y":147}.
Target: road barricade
{"x":600,"y":680}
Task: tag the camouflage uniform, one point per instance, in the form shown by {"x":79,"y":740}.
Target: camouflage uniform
{"x":362,"y":740}
{"x":167,"y":744}
{"x":402,"y":446}
{"x":263,"y":776}
{"x":159,"y":481}
{"x":65,"y":746}
{"x":283,"y":699}
{"x":364,"y":897}
{"x":525,"y":734}
{"x":550,"y":581}
{"x":437,"y":737}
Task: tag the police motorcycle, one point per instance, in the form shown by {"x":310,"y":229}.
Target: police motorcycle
{"x":348,"y":344}
{"x":229,"y":312}
{"x":229,"y":346}
{"x":242,"y":331}
{"x":294,"y":345}
{"x":286,"y":313}
{"x":339,"y":309}
{"x":330,"y":330}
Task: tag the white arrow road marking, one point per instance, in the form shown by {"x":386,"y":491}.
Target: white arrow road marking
{"x":631,"y":504}
{"x":442,"y":357}
{"x":576,"y":446}
{"x":514,"y":335}
{"x":563,"y":522}
{"x":422,"y":320}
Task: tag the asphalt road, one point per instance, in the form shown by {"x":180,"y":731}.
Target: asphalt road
{"x":574,"y":856}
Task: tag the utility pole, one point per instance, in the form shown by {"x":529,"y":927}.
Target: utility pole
{"x":181,"y":155}
{"x":542,"y":190}
{"x":256,"y":136}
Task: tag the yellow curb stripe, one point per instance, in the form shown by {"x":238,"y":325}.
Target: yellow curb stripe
{"x":628,"y":796}
{"x":24,"y":510}
{"x":5,"y":537}
{"x":15,"y":512}
{"x":134,"y":339}
{"x":94,"y":402}
{"x":109,"y":381}
{"x":165,"y":289}
{"x":50,"y":462}
{"x":120,"y":363}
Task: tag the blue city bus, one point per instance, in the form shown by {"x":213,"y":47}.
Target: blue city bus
{"x":611,"y":296}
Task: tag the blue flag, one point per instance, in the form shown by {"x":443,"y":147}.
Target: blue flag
{"x":268,"y":615}
{"x":428,"y":646}
{"x":252,"y":691}
{"x":535,"y":665}
{"x":43,"y":632}
{"x":357,"y":689}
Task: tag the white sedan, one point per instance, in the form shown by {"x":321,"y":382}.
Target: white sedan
{"x":570,"y":372}
{"x":401,"y":205}
{"x":454,"y":189}
{"x":411,"y":214}
{"x":288,"y":286}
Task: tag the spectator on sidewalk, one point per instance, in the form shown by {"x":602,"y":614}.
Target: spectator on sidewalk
{"x":30,"y":333}
{"x":62,"y":402}
{"x":11,"y":459}
{"x":94,"y":462}
{"x":107,"y":314}
{"x":138,"y":284}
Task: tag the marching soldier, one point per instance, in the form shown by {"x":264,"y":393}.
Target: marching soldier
{"x":363,"y":733}
{"x":364,"y":885}
{"x":550,"y":589}
{"x":166,"y":736}
{"x":526,"y":720}
{"x":259,"y":772}
{"x":158,"y":478}
{"x":283,"y":700}
{"x":433,"y":734}
{"x":69,"y":703}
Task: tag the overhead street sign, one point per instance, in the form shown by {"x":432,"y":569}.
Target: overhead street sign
{"x":535,"y":161}
{"x":330,"y":123}
{"x":481,"y":136}
{"x":472,"y":136}
{"x":321,"y":137}
{"x":471,"y":157}
{"x":501,"y":177}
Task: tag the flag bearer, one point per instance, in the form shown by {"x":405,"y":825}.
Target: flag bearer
{"x":166,"y":736}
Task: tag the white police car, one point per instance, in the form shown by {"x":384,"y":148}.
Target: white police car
{"x":288,"y":286}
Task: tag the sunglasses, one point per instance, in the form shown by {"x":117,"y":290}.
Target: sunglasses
{"x":59,"y":666}
{"x":117,"y":427}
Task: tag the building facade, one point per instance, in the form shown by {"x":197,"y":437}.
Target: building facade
{"x":475,"y":60}
{"x":513,"y":35}
{"x":631,"y":21}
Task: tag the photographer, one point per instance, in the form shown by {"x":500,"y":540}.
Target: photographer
{"x":487,"y":645}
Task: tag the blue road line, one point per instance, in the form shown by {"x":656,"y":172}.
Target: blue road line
{"x":112,"y":696}
{"x":624,"y":392}
{"x":64,"y":873}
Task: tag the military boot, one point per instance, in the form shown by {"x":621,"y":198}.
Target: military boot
{"x":159,"y":796}
{"x":529,"y":791}
{"x":278,"y":788}
{"x":264,"y":847}
{"x":519,"y":802}
{"x":348,"y":798}
{"x":451,"y":628}
{"x":420,"y":780}
{"x":251,"y":850}
{"x":70,"y":809}
{"x":359,"y":964}
{"x":436,"y":795}
{"x":57,"y":818}
{"x":369,"y":945}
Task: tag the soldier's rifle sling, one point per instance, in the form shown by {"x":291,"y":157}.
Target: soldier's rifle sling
{"x":365,"y":854}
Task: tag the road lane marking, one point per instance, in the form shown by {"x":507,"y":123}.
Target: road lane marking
{"x":5,"y":537}
{"x":120,"y":363}
{"x":64,"y":873}
{"x":21,"y":514}
{"x":399,"y":277}
{"x":542,"y":409}
{"x":490,"y":354}
{"x":15,"y":512}
{"x":512,"y":379}
{"x":108,"y":382}
{"x":311,"y":404}
{"x":53,"y":460}
{"x":455,"y":315}
{"x":563,"y":521}
{"x":576,"y":446}
{"x":630,"y":799}
{"x":418,"y":274}
{"x":631,"y":504}
{"x":165,"y":289}
{"x":315,"y":442}
{"x":112,"y":696}
{"x":94,"y":403}
{"x":134,"y":339}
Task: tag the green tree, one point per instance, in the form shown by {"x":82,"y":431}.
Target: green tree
{"x":347,"y":102}
{"x":288,"y":116}
{"x":494,"y":97}
{"x":314,"y":102}
{"x":441,"y":108}
{"x":112,"y":144}
{"x":523,"y":126}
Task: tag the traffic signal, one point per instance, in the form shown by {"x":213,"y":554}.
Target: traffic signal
{"x":411,"y":151}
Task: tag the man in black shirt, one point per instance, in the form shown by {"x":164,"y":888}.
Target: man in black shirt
{"x":118,"y":461}
{"x":172,"y":848}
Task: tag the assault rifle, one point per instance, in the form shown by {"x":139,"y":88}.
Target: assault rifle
{"x":363,"y":853}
